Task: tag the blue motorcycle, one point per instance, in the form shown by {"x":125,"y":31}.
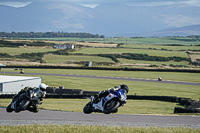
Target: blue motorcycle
{"x":108,"y":104}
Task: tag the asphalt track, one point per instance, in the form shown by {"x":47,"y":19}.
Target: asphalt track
{"x":76,"y":118}
{"x":113,"y":78}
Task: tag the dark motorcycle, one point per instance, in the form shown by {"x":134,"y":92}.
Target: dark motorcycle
{"x":107,"y":105}
{"x":159,"y":79}
{"x":24,"y":101}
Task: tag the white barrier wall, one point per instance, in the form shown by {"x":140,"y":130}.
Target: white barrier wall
{"x":13,"y":84}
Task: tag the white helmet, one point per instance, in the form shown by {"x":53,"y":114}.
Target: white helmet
{"x":43,"y":87}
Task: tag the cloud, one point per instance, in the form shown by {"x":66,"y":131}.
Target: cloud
{"x":15,"y":4}
{"x":94,"y":3}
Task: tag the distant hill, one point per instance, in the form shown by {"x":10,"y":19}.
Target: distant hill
{"x":181,"y":31}
{"x":106,"y":19}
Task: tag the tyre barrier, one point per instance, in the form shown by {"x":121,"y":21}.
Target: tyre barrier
{"x":185,"y":101}
{"x":67,"y":96}
{"x":185,"y":110}
{"x":191,"y":106}
{"x":156,"y":98}
{"x":4,"y":96}
{"x":70,"y":91}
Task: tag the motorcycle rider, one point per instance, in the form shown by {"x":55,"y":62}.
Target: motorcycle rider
{"x":34,"y":108}
{"x":104,"y":93}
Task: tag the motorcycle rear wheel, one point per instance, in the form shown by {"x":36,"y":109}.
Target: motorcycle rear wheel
{"x":111,"y":107}
{"x":88,"y":108}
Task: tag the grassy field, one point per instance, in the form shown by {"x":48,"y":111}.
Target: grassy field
{"x":56,"y":59}
{"x":151,"y":40}
{"x":133,"y":51}
{"x":62,"y":59}
{"x":132,"y":106}
{"x":161,"y":47}
{"x":151,"y":46}
{"x":138,"y":88}
{"x":17,"y":51}
{"x":175,"y":76}
{"x":140,"y":63}
{"x":91,"y":129}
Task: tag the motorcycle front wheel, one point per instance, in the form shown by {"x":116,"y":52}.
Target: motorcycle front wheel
{"x":111,"y":107}
{"x":9,"y":109}
{"x":88,"y":108}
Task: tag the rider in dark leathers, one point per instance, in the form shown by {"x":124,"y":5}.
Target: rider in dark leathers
{"x":34,"y":108}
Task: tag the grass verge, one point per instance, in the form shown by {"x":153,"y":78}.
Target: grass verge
{"x":132,"y":106}
{"x":91,"y":129}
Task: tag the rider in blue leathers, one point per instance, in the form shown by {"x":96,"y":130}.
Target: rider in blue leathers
{"x":104,"y":93}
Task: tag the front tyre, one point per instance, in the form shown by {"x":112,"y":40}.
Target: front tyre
{"x":88,"y":108}
{"x":111,"y":107}
{"x":9,"y":109}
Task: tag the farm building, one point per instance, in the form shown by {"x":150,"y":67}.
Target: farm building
{"x":64,"y":46}
{"x":1,"y":65}
{"x":13,"y":84}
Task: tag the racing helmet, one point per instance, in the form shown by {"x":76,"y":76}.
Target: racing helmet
{"x":124,"y":88}
{"x":43,"y":87}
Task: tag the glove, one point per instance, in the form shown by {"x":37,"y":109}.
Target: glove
{"x":40,"y":102}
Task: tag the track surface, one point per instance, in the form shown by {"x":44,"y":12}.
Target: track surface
{"x":114,"y":78}
{"x":77,"y":118}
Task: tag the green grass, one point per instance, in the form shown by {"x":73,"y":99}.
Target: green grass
{"x":92,"y":129}
{"x":159,"y":47}
{"x":145,"y":45}
{"x":158,"y":63}
{"x":17,"y":51}
{"x":135,"y":51}
{"x":151,"y":40}
{"x":132,"y":106}
{"x":56,"y":59}
{"x":175,"y":76}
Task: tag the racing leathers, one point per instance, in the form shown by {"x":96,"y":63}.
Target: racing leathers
{"x":34,"y":107}
{"x":104,"y":94}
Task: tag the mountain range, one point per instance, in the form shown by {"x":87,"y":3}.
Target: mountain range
{"x":106,"y":19}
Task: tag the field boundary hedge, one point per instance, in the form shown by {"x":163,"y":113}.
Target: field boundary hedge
{"x":103,"y":68}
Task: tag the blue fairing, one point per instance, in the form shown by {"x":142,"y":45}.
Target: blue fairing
{"x":119,"y":92}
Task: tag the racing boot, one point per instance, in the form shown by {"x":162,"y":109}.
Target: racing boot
{"x":13,"y":105}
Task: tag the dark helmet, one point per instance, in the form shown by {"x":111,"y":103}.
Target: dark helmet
{"x":124,"y":87}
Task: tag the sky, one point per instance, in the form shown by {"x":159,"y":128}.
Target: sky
{"x":94,"y":3}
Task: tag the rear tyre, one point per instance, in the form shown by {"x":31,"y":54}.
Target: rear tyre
{"x":88,"y":108}
{"x":111,"y":107}
{"x":9,"y":109}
